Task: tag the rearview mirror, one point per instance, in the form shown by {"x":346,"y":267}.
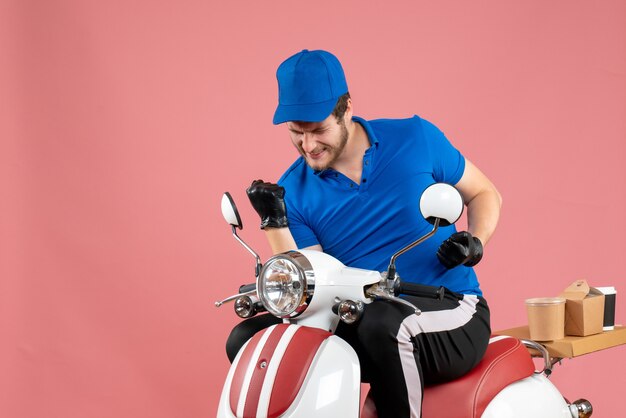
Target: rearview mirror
{"x":229,"y":211}
{"x":441,"y":205}
{"x":442,"y":201}
{"x":231,"y":215}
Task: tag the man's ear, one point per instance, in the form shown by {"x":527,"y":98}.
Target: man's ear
{"x":347,"y":117}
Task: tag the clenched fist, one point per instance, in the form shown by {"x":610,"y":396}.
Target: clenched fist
{"x":460,"y":248}
{"x":268,"y":201}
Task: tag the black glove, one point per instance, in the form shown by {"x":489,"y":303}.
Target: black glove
{"x":267,"y":200}
{"x":460,"y":248}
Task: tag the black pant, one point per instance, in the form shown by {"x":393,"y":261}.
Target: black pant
{"x":399,"y":351}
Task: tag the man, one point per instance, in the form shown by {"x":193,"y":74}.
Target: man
{"x":354,"y":193}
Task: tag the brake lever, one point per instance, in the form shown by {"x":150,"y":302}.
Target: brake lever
{"x":228,"y":299}
{"x":380,"y":293}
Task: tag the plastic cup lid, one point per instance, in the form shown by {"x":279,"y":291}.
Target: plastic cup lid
{"x":544,"y":301}
{"x":607,"y":290}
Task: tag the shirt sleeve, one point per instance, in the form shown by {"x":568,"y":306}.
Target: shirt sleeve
{"x":301,"y":232}
{"x":447,"y":162}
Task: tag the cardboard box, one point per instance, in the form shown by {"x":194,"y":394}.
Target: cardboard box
{"x":569,"y":347}
{"x":584,"y":309}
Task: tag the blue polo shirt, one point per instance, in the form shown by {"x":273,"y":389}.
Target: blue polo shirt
{"x":362,"y":225}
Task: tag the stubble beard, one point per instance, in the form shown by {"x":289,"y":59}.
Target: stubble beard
{"x":334,"y":151}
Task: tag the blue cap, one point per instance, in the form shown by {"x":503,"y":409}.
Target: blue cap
{"x":309,"y":84}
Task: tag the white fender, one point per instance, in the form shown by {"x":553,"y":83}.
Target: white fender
{"x":534,"y":397}
{"x":331,"y":386}
{"x":223,"y":410}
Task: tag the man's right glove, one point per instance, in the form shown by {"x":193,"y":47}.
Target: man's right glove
{"x":460,"y":248}
{"x":268,"y":201}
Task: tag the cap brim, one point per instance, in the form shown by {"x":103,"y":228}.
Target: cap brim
{"x":316,"y":112}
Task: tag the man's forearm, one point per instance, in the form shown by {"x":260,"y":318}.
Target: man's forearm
{"x":280,"y":239}
{"x":483,"y":212}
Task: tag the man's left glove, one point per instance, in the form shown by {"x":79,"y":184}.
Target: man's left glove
{"x":268,"y":201}
{"x":460,"y":248}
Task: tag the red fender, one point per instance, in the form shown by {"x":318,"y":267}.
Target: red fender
{"x":293,"y":364}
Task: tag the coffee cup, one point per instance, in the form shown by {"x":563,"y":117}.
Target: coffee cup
{"x":609,"y":307}
{"x":546,"y":318}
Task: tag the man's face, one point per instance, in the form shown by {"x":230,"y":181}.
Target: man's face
{"x":320,"y":143}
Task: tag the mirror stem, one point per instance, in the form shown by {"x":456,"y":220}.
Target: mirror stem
{"x":391,"y":271}
{"x":250,"y":250}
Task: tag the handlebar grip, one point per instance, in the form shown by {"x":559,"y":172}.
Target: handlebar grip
{"x":420,"y":290}
{"x":247,"y":287}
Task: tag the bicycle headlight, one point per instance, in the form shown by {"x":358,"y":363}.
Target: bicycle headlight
{"x":286,"y":284}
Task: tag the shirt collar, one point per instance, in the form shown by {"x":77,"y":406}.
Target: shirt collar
{"x":370,"y":136}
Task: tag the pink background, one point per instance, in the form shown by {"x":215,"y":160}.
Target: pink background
{"x":122,"y":122}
